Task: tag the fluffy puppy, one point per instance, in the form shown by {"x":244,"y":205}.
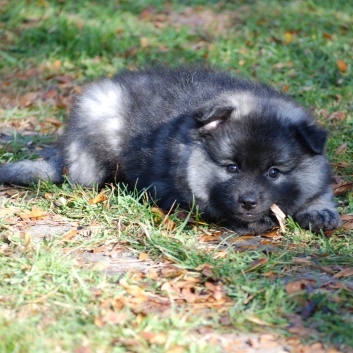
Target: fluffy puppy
{"x":196,"y":136}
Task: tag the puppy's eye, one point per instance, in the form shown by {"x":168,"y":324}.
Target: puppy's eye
{"x":273,"y":173}
{"x":232,"y":168}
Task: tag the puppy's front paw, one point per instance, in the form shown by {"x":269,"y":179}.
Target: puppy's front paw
{"x":325,"y":219}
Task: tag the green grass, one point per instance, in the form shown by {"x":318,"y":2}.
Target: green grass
{"x":49,"y":299}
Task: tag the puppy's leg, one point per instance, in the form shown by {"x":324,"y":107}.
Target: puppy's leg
{"x":25,"y":172}
{"x":319,"y":214}
{"x":82,"y":166}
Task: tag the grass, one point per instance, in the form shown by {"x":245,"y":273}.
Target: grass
{"x":51,"y":299}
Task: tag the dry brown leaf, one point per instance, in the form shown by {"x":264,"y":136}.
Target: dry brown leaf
{"x":273,"y":234}
{"x":27,"y":238}
{"x":177,"y":349}
{"x":57,"y":64}
{"x":35,"y":213}
{"x":347,"y":226}
{"x":208,"y":238}
{"x":338,"y":115}
{"x":9,"y":210}
{"x":280,"y":217}
{"x":254,"y":264}
{"x":296,"y":286}
{"x":110,"y":317}
{"x":143,"y":256}
{"x":70,"y":234}
{"x":98,"y":199}
{"x":55,"y":122}
{"x":144,"y":42}
{"x":347,"y":272}
{"x":64,"y":78}
{"x":288,"y":37}
{"x":242,"y":238}
{"x":207,"y":271}
{"x":134,"y":290}
{"x":347,"y":217}
{"x":29,"y":99}
{"x":258,"y":321}
{"x":341,"y":187}
{"x":155,"y":338}
{"x":159,"y":212}
{"x":343,"y":67}
{"x":99,"y":249}
{"x":341,"y":149}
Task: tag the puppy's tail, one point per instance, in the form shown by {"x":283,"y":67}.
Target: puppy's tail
{"x":26,"y":172}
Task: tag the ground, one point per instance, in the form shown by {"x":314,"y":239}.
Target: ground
{"x":87,"y":270}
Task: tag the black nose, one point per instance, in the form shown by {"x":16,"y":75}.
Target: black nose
{"x":248,"y":201}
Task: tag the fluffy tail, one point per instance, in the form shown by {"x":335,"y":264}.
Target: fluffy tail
{"x":26,"y":172}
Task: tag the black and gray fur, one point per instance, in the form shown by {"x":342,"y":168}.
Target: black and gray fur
{"x":199,"y":136}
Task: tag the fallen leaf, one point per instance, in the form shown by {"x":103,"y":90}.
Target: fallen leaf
{"x":57,"y":64}
{"x":258,"y":321}
{"x":98,"y":199}
{"x":156,"y":338}
{"x":35,"y":213}
{"x":27,"y":238}
{"x":338,"y":115}
{"x":288,"y":37}
{"x":176,"y":349}
{"x":347,"y":217}
{"x":208,"y":238}
{"x":143,"y":256}
{"x":144,"y":42}
{"x":183,"y":215}
{"x":342,"y":187}
{"x":342,"y":149}
{"x":343,"y":67}
{"x":55,"y":122}
{"x":280,"y":216}
{"x":296,"y":286}
{"x":9,"y":210}
{"x":69,"y":234}
{"x":273,"y":234}
{"x":64,"y":78}
{"x":109,"y":316}
{"x":344,"y":273}
{"x":99,"y":249}
{"x":134,"y":290}
{"x":29,"y":99}
{"x":254,"y":264}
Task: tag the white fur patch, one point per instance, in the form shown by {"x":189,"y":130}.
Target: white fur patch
{"x":101,"y":109}
{"x":201,"y":173}
{"x":82,"y":168}
{"x":102,"y":103}
{"x":244,"y":104}
{"x":197,"y":183}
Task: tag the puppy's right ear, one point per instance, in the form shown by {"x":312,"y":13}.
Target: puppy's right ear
{"x":210,"y":116}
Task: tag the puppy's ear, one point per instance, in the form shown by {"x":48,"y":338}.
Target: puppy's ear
{"x":312,"y":136}
{"x":210,"y":116}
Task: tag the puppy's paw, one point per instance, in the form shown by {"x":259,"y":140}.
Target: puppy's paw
{"x":325,"y":219}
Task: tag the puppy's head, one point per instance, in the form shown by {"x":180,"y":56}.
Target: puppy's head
{"x":252,"y":152}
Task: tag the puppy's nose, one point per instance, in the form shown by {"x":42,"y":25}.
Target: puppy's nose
{"x":248,"y":201}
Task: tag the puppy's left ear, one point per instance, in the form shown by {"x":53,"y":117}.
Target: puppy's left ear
{"x":312,"y":136}
{"x":210,"y":116}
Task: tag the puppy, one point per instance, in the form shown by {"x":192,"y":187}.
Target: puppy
{"x":196,"y":137}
